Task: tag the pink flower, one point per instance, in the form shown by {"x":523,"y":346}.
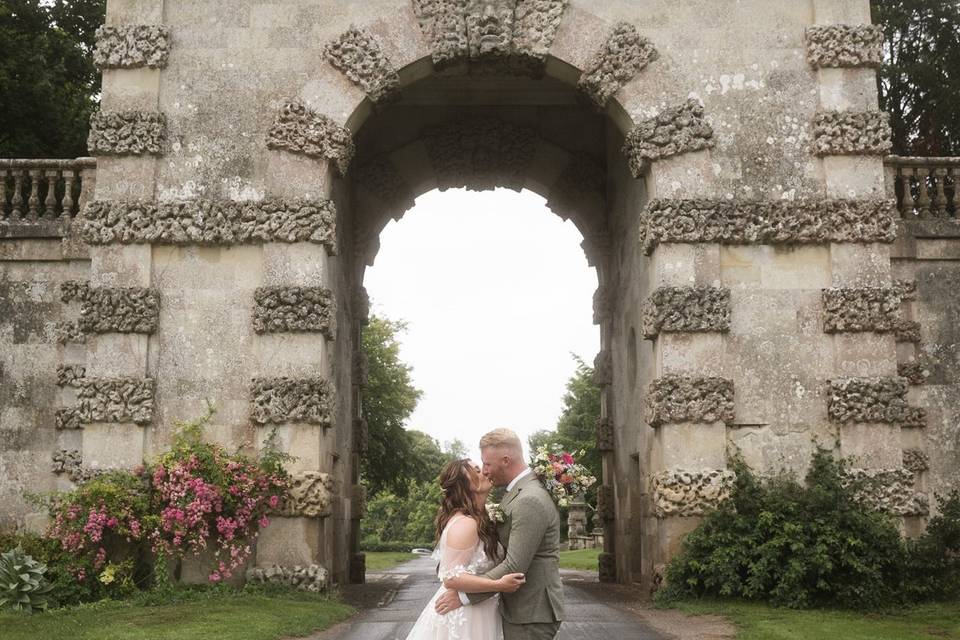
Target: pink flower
{"x":264,"y":522}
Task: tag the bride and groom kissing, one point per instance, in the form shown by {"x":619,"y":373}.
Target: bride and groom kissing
{"x":500,"y":574}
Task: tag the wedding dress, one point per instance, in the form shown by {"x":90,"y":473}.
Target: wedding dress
{"x":476,"y":622}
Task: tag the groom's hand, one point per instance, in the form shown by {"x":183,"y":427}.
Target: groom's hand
{"x":449,"y":601}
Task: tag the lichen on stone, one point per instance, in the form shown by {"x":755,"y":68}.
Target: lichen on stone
{"x":280,"y":400}
{"x":888,"y":490}
{"x":605,"y":435}
{"x":843,"y":133}
{"x":113,"y":309}
{"x":872,"y":400}
{"x":914,"y":372}
{"x":845,"y":46}
{"x":623,"y":55}
{"x":359,"y":56}
{"x":299,"y":129}
{"x":686,"y":309}
{"x":686,"y":492}
{"x":312,"y":578}
{"x":673,"y":131}
{"x":127,"y":133}
{"x":109,"y":400}
{"x":674,"y":398}
{"x":131,"y":46}
{"x":860,"y":309}
{"x":309,"y":496}
{"x":480,"y":153}
{"x":294,"y":309}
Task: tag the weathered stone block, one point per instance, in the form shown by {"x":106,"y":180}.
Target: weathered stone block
{"x":606,"y":503}
{"x":681,"y":492}
{"x":880,"y":400}
{"x":603,"y":368}
{"x":299,"y":129}
{"x":916,"y":461}
{"x":913,"y":372}
{"x":122,"y":133}
{"x":673,"y":131}
{"x":624,"y":54}
{"x":860,"y":309}
{"x":889,"y":490}
{"x":312,"y":578}
{"x":605,"y":436}
{"x":689,"y":399}
{"x":309,"y":495}
{"x":359,"y":56}
{"x":284,"y":309}
{"x":381,"y":178}
{"x":132,"y":45}
{"x":907,"y":330}
{"x":607,"y":567}
{"x":842,"y":45}
{"x":842,"y":133}
{"x":279,"y":400}
{"x":686,"y":309}
{"x":113,"y":309}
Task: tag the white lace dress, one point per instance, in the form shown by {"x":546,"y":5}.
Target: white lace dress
{"x":477,"y":622}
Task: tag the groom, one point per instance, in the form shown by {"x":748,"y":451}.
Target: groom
{"x":530,"y":532}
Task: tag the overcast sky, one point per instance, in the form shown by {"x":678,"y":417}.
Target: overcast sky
{"x":497,"y":293}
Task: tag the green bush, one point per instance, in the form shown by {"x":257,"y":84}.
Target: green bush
{"x":23,"y":585}
{"x":932,"y":569}
{"x":372,"y":543}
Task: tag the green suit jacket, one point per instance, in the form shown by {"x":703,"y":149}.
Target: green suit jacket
{"x":530,"y":534}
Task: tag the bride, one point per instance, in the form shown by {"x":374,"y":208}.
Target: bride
{"x":467,"y":547}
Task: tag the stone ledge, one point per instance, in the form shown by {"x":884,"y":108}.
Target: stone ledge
{"x":281,"y":400}
{"x":294,"y":309}
{"x":685,"y":493}
{"x":704,"y":399}
{"x":624,"y":54}
{"x":872,"y":400}
{"x":673,"y":131}
{"x":127,"y":133}
{"x":686,"y":309}
{"x":299,"y":129}
{"x":844,"y":46}
{"x":844,"y":133}
{"x":131,"y":46}
{"x":860,"y":309}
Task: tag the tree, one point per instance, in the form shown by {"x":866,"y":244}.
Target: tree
{"x":426,"y":457}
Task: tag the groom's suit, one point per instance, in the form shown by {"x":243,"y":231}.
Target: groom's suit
{"x":530,"y":533}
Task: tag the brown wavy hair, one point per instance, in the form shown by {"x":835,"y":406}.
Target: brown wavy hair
{"x":458,"y":498}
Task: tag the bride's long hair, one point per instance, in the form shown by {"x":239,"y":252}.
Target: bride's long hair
{"x":457,"y":497}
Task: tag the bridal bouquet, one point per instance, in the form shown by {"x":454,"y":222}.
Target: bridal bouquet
{"x":561,"y":475}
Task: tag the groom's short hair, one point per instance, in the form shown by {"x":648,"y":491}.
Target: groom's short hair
{"x":502,"y":438}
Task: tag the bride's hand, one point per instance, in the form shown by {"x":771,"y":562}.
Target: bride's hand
{"x":511,"y":582}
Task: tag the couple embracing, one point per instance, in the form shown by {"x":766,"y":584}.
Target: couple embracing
{"x":500,"y":574}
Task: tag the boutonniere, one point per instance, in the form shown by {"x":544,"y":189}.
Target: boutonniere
{"x":496,"y":513}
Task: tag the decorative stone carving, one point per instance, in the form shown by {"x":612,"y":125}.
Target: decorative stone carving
{"x":480,"y":153}
{"x":673,"y":131}
{"x":888,"y":490}
{"x":603,"y":368}
{"x":580,"y":191}
{"x":673,"y":398}
{"x":299,"y":129}
{"x":279,"y":400}
{"x":359,"y":56}
{"x":127,"y":133}
{"x":67,"y":418}
{"x":872,"y":400}
{"x":443,"y":22}
{"x":65,"y":332}
{"x":361,"y":435}
{"x":309,"y":496}
{"x":602,"y":304}
{"x":860,"y":309}
{"x":294,"y":309}
{"x":915,"y":461}
{"x":108,"y":400}
{"x":684,"y":493}
{"x":606,"y":504}
{"x":686,"y":309}
{"x":381,"y":178}
{"x":70,"y":462}
{"x":914,"y":372}
{"x":131,"y":46}
{"x":312,"y":578}
{"x":68,"y":375}
{"x":210,"y":222}
{"x":607,"y":567}
{"x":361,"y":368}
{"x":768,"y":222}
{"x":361,"y":305}
{"x":907,"y":330}
{"x":536,"y":23}
{"x":842,"y":45}
{"x":113,"y":309}
{"x":844,"y":133}
{"x":624,"y":54}
{"x":605,"y":436}
{"x":906,"y":289}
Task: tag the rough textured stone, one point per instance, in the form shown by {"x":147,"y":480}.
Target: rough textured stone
{"x":605,"y":437}
{"x":906,"y":289}
{"x":682,"y":492}
{"x":480,"y":153}
{"x":673,"y":131}
{"x":113,"y":309}
{"x":860,"y":309}
{"x":361,"y":305}
{"x":382,"y":179}
{"x":872,"y":400}
{"x":127,"y":133}
{"x":361,"y":435}
{"x":915,"y":461}
{"x":842,"y":45}
{"x":914,"y":372}
{"x":686,"y":309}
{"x":580,"y":189}
{"x":109,"y":400}
{"x":624,"y":54}
{"x":279,"y":400}
{"x":768,"y":222}
{"x":535,"y":26}
{"x":68,"y":375}
{"x":210,"y":222}
{"x":130,"y":46}
{"x":602,"y":301}
{"x":312,"y":578}
{"x":606,"y":504}
{"x":844,"y":133}
{"x":309,"y":496}
{"x":675,"y":398}
{"x":443,"y":22}
{"x":907,"y":330}
{"x":299,"y":129}
{"x":607,"y":567}
{"x":359,"y":56}
{"x":888,"y":490}
{"x":285,"y":309}
{"x":361,"y":368}
{"x":70,"y":462}
{"x":603,"y":368}
{"x":68,"y":331}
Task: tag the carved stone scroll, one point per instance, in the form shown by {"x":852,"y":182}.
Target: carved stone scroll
{"x":127,"y":133}
{"x":605,"y":436}
{"x":686,"y":309}
{"x":309,"y":496}
{"x":673,"y":398}
{"x":888,"y":490}
{"x":881,"y":400}
{"x":299,"y":129}
{"x":677,"y":130}
{"x":480,"y":153}
{"x":279,"y":400}
{"x":359,"y":56}
{"x":845,"y":46}
{"x":624,"y":54}
{"x":108,"y":400}
{"x":113,"y":309}
{"x":684,"y":493}
{"x":843,"y":133}
{"x":860,"y":309}
{"x":131,"y":46}
{"x":294,"y":309}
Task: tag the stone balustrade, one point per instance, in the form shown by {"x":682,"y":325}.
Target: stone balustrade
{"x":925,"y":187}
{"x":42,"y":196}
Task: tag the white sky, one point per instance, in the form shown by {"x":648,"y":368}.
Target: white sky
{"x":497,"y":293}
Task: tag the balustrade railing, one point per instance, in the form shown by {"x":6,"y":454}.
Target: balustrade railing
{"x":925,"y":187}
{"x":44,"y":192}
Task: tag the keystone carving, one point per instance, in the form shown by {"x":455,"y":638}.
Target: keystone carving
{"x":127,"y":133}
{"x":210,"y":222}
{"x":844,"y":133}
{"x":606,"y":505}
{"x":622,"y":56}
{"x":915,"y":461}
{"x":914,"y":372}
{"x":888,"y":490}
{"x":294,"y":309}
{"x":603,"y":368}
{"x":480,"y":153}
{"x":299,"y":129}
{"x":312,"y":578}
{"x":131,"y":46}
{"x":309,"y":496}
{"x":880,"y":400}
{"x":860,"y":309}
{"x":906,"y":330}
{"x":605,"y":437}
{"x":108,"y":400}
{"x":684,"y":493}
{"x":673,"y":398}
{"x":686,"y":309}
{"x":113,"y":309}
{"x":382,"y":179}
{"x":768,"y":222}
{"x":681,"y":129}
{"x":845,"y":46}
{"x":359,"y":56}
{"x":279,"y":400}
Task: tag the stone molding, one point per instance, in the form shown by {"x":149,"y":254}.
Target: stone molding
{"x":733,"y":222}
{"x":907,"y":330}
{"x":844,"y":46}
{"x":622,"y":56}
{"x":382,"y":179}
{"x":603,"y":368}
{"x":858,"y":309}
{"x":299,"y":129}
{"x":673,"y":131}
{"x":280,"y":400}
{"x":312,"y":578}
{"x":888,"y":490}
{"x":310,"y":495}
{"x":915,"y":461}
{"x":686,"y":309}
{"x":210,"y":222}
{"x":358,"y":55}
{"x":685,"y":493}
{"x":602,"y":304}
{"x":131,"y":46}
{"x":846,"y":133}
{"x":127,"y":133}
{"x":108,"y":400}
{"x":606,"y":504}
{"x":872,"y":400}
{"x":914,"y":372}
{"x":294,"y":309}
{"x":704,"y":399}
{"x":606,"y":441}
{"x":113,"y":309}
{"x":607,"y":567}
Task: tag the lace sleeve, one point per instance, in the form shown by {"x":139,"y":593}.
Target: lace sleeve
{"x":458,"y":549}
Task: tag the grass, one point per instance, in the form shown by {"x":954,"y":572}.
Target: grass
{"x":582,"y":559}
{"x":763,"y":622}
{"x":382,"y":560}
{"x":238,"y":616}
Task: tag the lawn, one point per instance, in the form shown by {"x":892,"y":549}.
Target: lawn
{"x":381,"y":560}
{"x":763,"y":622}
{"x":583,"y":559}
{"x":236,"y":616}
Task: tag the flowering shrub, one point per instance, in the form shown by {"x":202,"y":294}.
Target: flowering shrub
{"x":561,"y":475}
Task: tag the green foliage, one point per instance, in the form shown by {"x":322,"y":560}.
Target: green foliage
{"x":933,"y":559}
{"x":23,"y":585}
{"x":406,"y":520}
{"x":61,"y":566}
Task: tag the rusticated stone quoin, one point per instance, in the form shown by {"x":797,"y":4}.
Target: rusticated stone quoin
{"x":768,"y":222}
{"x":109,"y":400}
{"x":880,"y":400}
{"x":210,"y":222}
{"x":359,"y":56}
{"x":361,"y":305}
{"x":69,"y":331}
{"x":382,"y":179}
{"x":907,"y":289}
{"x":309,"y":496}
{"x":361,"y":368}
{"x":860,"y":309}
{"x":686,"y":309}
{"x":844,"y":133}
{"x":113,"y":309}
{"x":603,"y":368}
{"x":605,"y":437}
{"x":682,"y":492}
{"x":915,"y":461}
{"x":914,"y":372}
{"x":888,"y":490}
{"x":294,"y":309}
{"x":131,"y":46}
{"x":312,"y":578}
{"x":607,"y":567}
{"x":69,"y":375}
{"x":673,"y":398}
{"x":299,"y":129}
{"x":845,"y":46}
{"x":127,"y":133}
{"x":907,"y":330}
{"x":361,"y":435}
{"x":624,"y":54}
{"x":70,"y":462}
{"x":677,"y":130}
{"x":606,"y":505}
{"x":279,"y":400}
{"x":602,"y":304}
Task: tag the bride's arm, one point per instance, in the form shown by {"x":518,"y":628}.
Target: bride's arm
{"x":469,"y":583}
{"x":461,"y":543}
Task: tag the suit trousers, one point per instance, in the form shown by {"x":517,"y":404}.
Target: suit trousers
{"x":533,"y":631}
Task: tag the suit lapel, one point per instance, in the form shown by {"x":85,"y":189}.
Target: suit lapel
{"x":513,"y":493}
